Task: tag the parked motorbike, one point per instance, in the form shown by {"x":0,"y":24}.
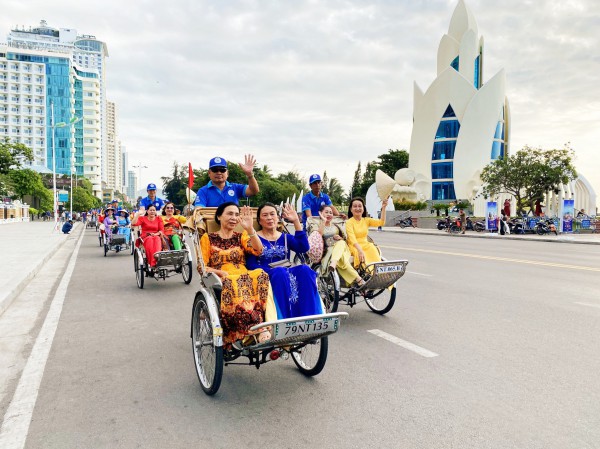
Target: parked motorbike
{"x":452,"y":226}
{"x":405,"y":223}
{"x":475,"y":226}
{"x":516,"y":226}
{"x":545,"y":226}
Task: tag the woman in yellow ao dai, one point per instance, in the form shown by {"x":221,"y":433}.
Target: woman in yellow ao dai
{"x":357,"y":228}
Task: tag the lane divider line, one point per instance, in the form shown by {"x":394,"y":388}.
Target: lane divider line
{"x":419,"y":274}
{"x":405,"y":344}
{"x":588,"y":304}
{"x":15,"y":426}
{"x":501,"y":259}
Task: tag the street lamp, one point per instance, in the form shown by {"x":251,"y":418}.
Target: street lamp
{"x":139,"y":166}
{"x":54,"y":126}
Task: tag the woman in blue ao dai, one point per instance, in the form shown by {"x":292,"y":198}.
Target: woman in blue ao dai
{"x":294,"y":288}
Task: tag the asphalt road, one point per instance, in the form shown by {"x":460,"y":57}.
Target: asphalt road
{"x":514,"y":326}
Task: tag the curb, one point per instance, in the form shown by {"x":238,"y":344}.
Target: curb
{"x":558,"y":239}
{"x":8,"y":299}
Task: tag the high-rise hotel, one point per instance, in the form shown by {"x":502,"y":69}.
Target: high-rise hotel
{"x":46,"y":71}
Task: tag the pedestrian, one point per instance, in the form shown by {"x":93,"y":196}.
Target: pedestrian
{"x":67,"y":227}
{"x":463,"y":220}
{"x":507,"y":207}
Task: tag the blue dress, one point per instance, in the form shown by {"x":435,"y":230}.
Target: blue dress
{"x":123,"y":229}
{"x":295,"y":288}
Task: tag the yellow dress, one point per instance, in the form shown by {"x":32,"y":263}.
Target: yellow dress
{"x":246,"y":297}
{"x":337,"y":250}
{"x":357,"y":233}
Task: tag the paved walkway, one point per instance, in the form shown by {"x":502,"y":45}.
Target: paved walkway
{"x":583,"y":237}
{"x":25,"y":247}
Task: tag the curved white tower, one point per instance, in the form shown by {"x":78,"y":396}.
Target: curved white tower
{"x":459,"y":124}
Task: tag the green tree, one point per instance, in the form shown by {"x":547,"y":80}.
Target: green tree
{"x":528,"y":174}
{"x":392,"y":161}
{"x":28,"y":182}
{"x":11,"y":155}
{"x":294,"y":178}
{"x":273,"y":191}
{"x":356,"y":182}
{"x":335,"y":191}
{"x":174,"y":186}
{"x":325,"y":183}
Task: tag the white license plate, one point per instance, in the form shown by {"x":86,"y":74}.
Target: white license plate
{"x":389,"y":269}
{"x":308,"y":327}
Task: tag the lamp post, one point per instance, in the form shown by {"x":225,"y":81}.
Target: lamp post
{"x":139,"y":166}
{"x":54,"y":126}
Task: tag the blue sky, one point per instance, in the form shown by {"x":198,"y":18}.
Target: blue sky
{"x":314,"y":85}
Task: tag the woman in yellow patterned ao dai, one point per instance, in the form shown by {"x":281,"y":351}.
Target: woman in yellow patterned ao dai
{"x":357,"y":228}
{"x":246,"y":296}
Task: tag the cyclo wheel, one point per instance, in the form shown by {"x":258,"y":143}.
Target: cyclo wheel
{"x":186,"y":270}
{"x":138,"y":266}
{"x":328,"y":292}
{"x":381,"y":301}
{"x":208,"y":358}
{"x":310,"y":359}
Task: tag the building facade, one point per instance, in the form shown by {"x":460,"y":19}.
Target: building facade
{"x":460,"y":123}
{"x":131,"y":186}
{"x":87,"y":56}
{"x":114,"y":163}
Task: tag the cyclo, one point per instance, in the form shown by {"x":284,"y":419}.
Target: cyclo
{"x":168,"y":263}
{"x":303,"y":338}
{"x":379,"y":290}
{"x":115,"y":241}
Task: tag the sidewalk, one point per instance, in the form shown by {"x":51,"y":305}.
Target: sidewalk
{"x":582,"y":238}
{"x":25,"y":247}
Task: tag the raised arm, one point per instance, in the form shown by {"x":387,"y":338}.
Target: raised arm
{"x":248,"y":169}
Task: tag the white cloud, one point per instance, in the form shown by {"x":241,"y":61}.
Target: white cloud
{"x":314,"y":85}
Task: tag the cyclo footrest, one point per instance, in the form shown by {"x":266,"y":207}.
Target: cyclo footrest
{"x":296,"y":330}
{"x":383,"y":274}
{"x":164,"y":258}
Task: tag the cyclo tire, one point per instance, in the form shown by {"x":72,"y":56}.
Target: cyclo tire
{"x":384,"y":303}
{"x":308,"y":360}
{"x":186,"y":270}
{"x":328,"y":293}
{"x":139,"y":270}
{"x":208,"y":358}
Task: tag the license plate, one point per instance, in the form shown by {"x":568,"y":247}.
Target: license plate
{"x":308,"y":327}
{"x":389,"y":269}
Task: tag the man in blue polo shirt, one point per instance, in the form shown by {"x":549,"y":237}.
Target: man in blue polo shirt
{"x":219,"y":190}
{"x":152,"y":198}
{"x":313,"y":200}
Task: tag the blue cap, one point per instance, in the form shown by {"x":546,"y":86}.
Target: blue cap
{"x":313,"y":178}
{"x":115,"y":201}
{"x":217,"y":162}
{"x":151,"y":187}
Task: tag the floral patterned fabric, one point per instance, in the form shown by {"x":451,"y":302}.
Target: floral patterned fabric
{"x":246,"y":297}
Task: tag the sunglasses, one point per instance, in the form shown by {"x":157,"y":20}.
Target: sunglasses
{"x":218,"y":170}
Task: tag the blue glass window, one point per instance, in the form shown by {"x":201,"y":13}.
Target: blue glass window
{"x":454,"y":64}
{"x":476,"y":74}
{"x":442,"y":191}
{"x":443,"y":150}
{"x":442,"y":170}
{"x":448,"y":129}
{"x":449,"y":112}
{"x":499,"y":134}
{"x":497,"y":150}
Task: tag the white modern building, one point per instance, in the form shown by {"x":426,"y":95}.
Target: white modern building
{"x":131,"y":186}
{"x":460,"y":123}
{"x":85,"y":52}
{"x":114,"y":162}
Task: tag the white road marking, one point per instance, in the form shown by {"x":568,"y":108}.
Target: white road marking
{"x":588,"y":304}
{"x":17,"y":419}
{"x":420,"y":274}
{"x":405,"y":344}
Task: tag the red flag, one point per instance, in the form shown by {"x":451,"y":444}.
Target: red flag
{"x":190,"y":176}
